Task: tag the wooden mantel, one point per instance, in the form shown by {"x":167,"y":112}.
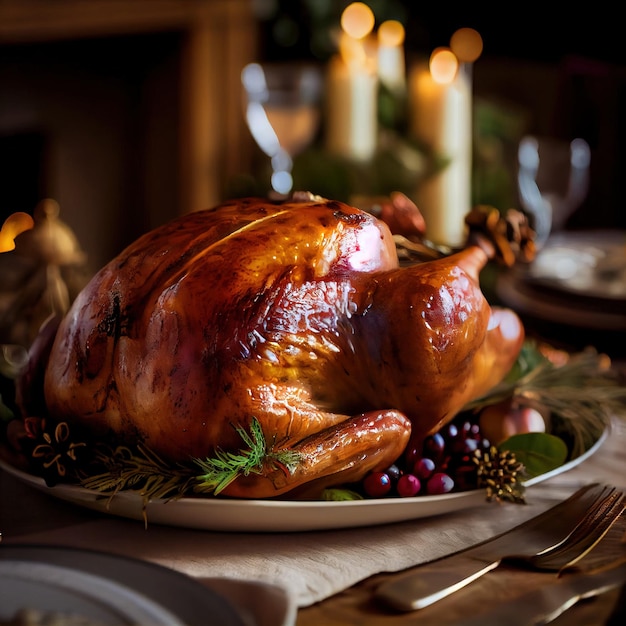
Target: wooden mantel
{"x":219,"y":39}
{"x":23,"y":21}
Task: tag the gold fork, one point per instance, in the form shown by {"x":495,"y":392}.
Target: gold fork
{"x":602,"y":514}
{"x":553,"y":540}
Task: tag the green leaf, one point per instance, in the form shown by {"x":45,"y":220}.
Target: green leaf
{"x":337,"y":495}
{"x":538,"y":452}
{"x":529,"y":359}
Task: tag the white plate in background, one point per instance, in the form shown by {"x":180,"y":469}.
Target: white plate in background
{"x":577,"y":279}
{"x":87,"y":587}
{"x":591,"y":264}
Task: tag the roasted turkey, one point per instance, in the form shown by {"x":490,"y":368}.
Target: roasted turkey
{"x":295,"y":314}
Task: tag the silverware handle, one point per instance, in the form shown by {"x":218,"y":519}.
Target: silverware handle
{"x":544,"y":605}
{"x":432,"y":582}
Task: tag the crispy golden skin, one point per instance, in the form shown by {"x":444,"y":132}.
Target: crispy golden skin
{"x":296,"y":314}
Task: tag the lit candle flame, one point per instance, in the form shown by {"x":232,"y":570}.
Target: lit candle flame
{"x":467,"y":44}
{"x":443,"y":65}
{"x":13,"y":226}
{"x":391,"y":33}
{"x":357,"y":20}
{"x":355,"y":45}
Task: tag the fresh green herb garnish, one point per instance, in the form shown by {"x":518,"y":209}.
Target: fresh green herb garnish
{"x":221,"y":470}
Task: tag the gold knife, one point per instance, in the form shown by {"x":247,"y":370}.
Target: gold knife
{"x":428,"y":583}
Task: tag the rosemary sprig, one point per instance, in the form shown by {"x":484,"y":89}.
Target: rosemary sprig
{"x":221,"y":470}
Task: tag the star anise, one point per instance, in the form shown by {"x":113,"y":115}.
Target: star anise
{"x":57,"y":452}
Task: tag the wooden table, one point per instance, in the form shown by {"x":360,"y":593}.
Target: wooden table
{"x":355,"y":605}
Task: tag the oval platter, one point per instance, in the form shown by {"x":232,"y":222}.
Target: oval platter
{"x":235,"y":515}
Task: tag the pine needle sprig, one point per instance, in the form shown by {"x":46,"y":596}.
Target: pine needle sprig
{"x":580,"y":396}
{"x":221,"y":470}
{"x":141,"y":470}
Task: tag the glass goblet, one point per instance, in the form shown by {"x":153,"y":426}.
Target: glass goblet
{"x":552,"y":181}
{"x":282,"y":110}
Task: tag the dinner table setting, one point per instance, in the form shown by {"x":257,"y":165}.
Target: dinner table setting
{"x":121,"y":556}
{"x":187,"y":436}
{"x":330,"y":575}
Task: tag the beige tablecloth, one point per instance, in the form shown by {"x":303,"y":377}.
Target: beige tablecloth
{"x":311,"y":566}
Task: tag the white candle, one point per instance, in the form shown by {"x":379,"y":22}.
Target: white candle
{"x":391,"y":64}
{"x":441,"y":118}
{"x":351,"y":104}
{"x":351,"y":110}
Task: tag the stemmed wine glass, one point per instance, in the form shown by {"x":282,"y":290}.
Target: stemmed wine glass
{"x":552,"y":180}
{"x":282,"y":110}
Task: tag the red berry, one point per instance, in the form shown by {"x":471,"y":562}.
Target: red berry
{"x":377,"y":484}
{"x":465,"y":446}
{"x":453,"y":431}
{"x":439,"y":483}
{"x":424,"y":468}
{"x":465,"y":477}
{"x":408,"y":485}
{"x":411,"y":455}
{"x":434,"y":446}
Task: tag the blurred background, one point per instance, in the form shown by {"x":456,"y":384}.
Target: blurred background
{"x":128,"y":113}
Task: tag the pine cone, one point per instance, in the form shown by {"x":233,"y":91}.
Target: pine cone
{"x":507,"y":239}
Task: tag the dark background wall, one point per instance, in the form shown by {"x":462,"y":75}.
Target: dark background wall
{"x":530,"y":31}
{"x":559,"y":71}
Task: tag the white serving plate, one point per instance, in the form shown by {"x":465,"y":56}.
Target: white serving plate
{"x":236,"y":515}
